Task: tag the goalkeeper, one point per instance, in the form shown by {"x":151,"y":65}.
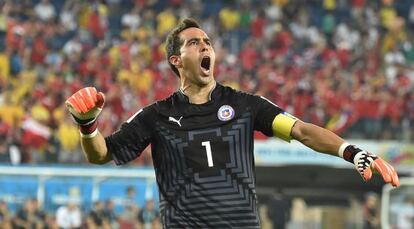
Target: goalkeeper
{"x":202,"y":139}
{"x":315,"y":137}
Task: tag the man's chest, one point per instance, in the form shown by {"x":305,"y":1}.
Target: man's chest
{"x":204,"y":144}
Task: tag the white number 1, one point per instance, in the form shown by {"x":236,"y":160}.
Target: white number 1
{"x":208,"y":150}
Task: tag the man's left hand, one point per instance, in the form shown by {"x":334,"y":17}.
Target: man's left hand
{"x":364,"y":161}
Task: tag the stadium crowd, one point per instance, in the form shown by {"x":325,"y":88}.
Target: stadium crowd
{"x":101,"y":215}
{"x":345,"y":65}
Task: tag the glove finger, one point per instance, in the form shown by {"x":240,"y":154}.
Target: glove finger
{"x":94,"y":94}
{"x":395,"y":179}
{"x":72,"y":104}
{"x":89,"y":97}
{"x":379,"y":165}
{"x":100,"y":99}
{"x":394,"y":176}
{"x":367,"y":174}
{"x":81,"y":104}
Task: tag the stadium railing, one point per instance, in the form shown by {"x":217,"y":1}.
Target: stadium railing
{"x":54,"y":185}
{"x":397,"y":204}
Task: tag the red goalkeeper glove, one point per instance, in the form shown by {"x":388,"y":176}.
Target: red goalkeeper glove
{"x":364,"y":161}
{"x":85,"y":105}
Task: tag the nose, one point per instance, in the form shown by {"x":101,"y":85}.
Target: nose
{"x":204,"y":46}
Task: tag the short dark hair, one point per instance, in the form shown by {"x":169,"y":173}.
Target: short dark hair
{"x":174,"y":42}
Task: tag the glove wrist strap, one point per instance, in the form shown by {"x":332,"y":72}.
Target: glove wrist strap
{"x":342,"y":149}
{"x":89,"y":128}
{"x":82,"y":122}
{"x":92,"y":135}
{"x":348,"y":152}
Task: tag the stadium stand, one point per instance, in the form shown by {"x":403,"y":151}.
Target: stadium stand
{"x":343,"y":65}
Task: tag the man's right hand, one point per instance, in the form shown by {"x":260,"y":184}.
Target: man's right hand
{"x":85,"y":105}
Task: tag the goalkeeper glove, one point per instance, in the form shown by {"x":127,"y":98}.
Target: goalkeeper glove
{"x":85,"y":106}
{"x":364,"y":161}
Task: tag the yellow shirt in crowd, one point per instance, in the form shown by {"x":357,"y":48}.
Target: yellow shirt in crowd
{"x":68,"y":136}
{"x":166,"y":22}
{"x":230,"y":19}
{"x":4,"y":66}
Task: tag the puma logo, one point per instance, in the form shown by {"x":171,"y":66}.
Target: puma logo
{"x":172,"y":119}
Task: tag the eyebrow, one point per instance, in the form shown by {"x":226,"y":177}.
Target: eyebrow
{"x":206,"y":39}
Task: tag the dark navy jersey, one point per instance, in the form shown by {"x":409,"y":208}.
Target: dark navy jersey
{"x":202,"y":154}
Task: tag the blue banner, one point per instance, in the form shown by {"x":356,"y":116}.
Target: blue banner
{"x":276,"y":152}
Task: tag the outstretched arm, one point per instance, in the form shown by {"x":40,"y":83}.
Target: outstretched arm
{"x":325,"y":141}
{"x":317,"y":138}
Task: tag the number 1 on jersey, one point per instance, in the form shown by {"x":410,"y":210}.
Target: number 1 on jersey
{"x":208,"y":150}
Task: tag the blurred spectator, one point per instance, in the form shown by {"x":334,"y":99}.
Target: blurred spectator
{"x":45,"y":11}
{"x":97,"y":21}
{"x":166,"y":20}
{"x":39,"y":213}
{"x":38,"y":49}
{"x":229,"y":18}
{"x":149,"y":216}
{"x":405,"y":215}
{"x":27,"y":216}
{"x":131,"y":20}
{"x":73,"y":48}
{"x":5,"y":216}
{"x":110,"y":215}
{"x":52,"y":150}
{"x":129,"y":214}
{"x":68,"y":15}
{"x":4,"y":151}
{"x":370,"y":211}
{"x":15,"y":148}
{"x":69,"y":216}
{"x":15,"y":62}
{"x":279,"y":208}
{"x":68,"y":137}
{"x":96,"y":218}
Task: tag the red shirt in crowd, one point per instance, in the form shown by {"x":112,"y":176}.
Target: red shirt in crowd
{"x":257,"y":27}
{"x":95,"y":26}
{"x":39,"y":50}
{"x":283,"y":41}
{"x":248,"y":57}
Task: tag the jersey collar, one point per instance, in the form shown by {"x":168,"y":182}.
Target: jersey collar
{"x":214,"y":93}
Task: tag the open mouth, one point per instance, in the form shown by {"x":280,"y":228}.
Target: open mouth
{"x":205,"y":64}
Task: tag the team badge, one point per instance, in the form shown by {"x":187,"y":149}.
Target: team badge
{"x":225,"y":113}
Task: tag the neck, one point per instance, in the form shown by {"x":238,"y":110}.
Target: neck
{"x":198,"y":94}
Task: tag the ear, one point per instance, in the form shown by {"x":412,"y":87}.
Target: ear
{"x":176,"y":61}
